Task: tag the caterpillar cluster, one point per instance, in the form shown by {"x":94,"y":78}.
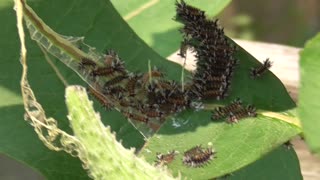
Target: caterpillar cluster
{"x":165,"y":159}
{"x":198,"y":156}
{"x":149,"y":98}
{"x":194,"y":157}
{"x":214,"y":53}
{"x":234,"y":112}
{"x":258,"y":71}
{"x":142,"y":97}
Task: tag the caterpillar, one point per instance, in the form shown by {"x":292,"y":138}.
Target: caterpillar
{"x":220,"y":72}
{"x":119,"y":67}
{"x":222,"y":112}
{"x":131,"y":84}
{"x":249,"y":111}
{"x":103,"y":71}
{"x":115,"y":80}
{"x":110,"y":56}
{"x":109,"y":70}
{"x":87,"y":62}
{"x":113,"y":90}
{"x":125,"y":102}
{"x":152,"y":113}
{"x":288,"y":145}
{"x":136,"y":117}
{"x":213,"y":85}
{"x":165,"y":159}
{"x":166,"y":85}
{"x":193,"y":150}
{"x":178,"y":100}
{"x":228,"y":63}
{"x":220,"y":68}
{"x":188,"y":13}
{"x":183,"y":49}
{"x":258,"y":71}
{"x":218,"y":94}
{"x":198,"y":156}
{"x":154,"y":73}
{"x":103,"y":100}
{"x":214,"y":52}
{"x":222,"y":78}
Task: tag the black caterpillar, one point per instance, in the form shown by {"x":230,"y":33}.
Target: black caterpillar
{"x":198,"y":156}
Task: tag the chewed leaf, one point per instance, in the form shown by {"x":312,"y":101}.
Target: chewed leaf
{"x":90,"y":66}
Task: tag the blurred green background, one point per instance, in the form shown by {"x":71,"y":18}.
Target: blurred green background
{"x":289,"y":22}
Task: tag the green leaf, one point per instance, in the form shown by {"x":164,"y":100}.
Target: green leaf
{"x":309,"y":93}
{"x":281,"y":163}
{"x":236,"y":145}
{"x":103,"y":28}
{"x":152,"y":20}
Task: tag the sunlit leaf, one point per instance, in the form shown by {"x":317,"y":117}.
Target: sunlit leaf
{"x":309,"y":93}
